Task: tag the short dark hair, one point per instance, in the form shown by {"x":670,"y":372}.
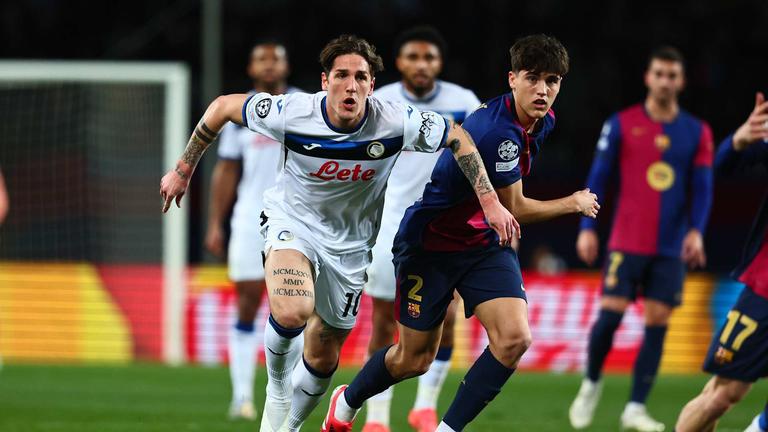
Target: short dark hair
{"x":424,"y":33}
{"x":539,"y":53}
{"x":666,"y":53}
{"x":269,"y":42}
{"x":350,"y":44}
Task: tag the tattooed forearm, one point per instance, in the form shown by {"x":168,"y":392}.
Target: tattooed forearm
{"x":293,"y":292}
{"x":472,"y":166}
{"x":201,"y":138}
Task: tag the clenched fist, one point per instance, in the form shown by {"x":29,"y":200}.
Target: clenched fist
{"x":586,"y":203}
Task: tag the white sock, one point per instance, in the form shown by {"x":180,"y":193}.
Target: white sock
{"x":344,"y":412}
{"x":430,"y":384}
{"x":378,"y":407}
{"x":282,"y":354}
{"x":242,"y":363}
{"x":308,"y":389}
{"x":442,"y":427}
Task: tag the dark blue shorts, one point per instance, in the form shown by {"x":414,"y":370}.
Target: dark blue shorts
{"x":654,"y":277}
{"x":426,"y":280}
{"x":740,"y":349}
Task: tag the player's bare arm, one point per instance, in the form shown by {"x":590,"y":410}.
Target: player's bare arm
{"x":225,"y":108}
{"x":756,"y":126}
{"x":226,"y":175}
{"x":464,"y":150}
{"x":528,"y":210}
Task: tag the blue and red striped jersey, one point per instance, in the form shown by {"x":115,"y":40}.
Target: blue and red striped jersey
{"x":753,"y":268}
{"x":449,"y":216}
{"x":664,"y":180}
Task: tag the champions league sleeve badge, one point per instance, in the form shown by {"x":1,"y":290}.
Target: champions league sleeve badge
{"x":263,"y":106}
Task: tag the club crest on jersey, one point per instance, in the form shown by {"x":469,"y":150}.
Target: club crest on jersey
{"x":285,"y":236}
{"x":375,"y":149}
{"x":508,"y":150}
{"x":414,"y":310}
{"x":662,"y":142}
{"x":263,"y":106}
{"x":427,"y":121}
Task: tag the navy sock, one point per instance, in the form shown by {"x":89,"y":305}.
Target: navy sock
{"x":763,"y":420}
{"x":372,"y":379}
{"x":601,"y":341}
{"x":647,"y":362}
{"x":288,"y":333}
{"x":243,"y":326}
{"x":480,"y":385}
{"x":444,"y":354}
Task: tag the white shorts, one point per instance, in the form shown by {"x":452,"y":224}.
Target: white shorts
{"x":381,"y":273}
{"x":244,"y":260}
{"x":339,"y":278}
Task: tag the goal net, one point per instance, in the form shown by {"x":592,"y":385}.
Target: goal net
{"x":89,"y":268}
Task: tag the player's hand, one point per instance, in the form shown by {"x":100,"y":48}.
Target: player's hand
{"x":756,"y":126}
{"x":214,"y":239}
{"x":587,"y":246}
{"x":586,"y":203}
{"x":693,"y":249}
{"x":501,"y":221}
{"x":173,"y":186}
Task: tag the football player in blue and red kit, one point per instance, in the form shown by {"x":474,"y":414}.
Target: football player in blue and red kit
{"x":738,"y":355}
{"x":444,"y":243}
{"x":662,"y":156}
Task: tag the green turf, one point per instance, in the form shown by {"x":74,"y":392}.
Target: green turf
{"x":157,"y":398}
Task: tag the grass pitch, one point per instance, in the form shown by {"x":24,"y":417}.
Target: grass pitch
{"x":156,"y":398}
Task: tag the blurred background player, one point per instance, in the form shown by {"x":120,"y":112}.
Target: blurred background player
{"x":738,"y":355}
{"x":419,"y":55}
{"x":663,"y":158}
{"x":444,"y":244}
{"x":4,"y":206}
{"x":247,"y":166}
{"x":4,"y":202}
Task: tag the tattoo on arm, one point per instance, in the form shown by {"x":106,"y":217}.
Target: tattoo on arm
{"x":472,"y":167}
{"x":471,"y":164}
{"x":455,"y":143}
{"x":201,"y":138}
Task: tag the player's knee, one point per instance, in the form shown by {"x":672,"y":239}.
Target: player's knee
{"x":325,"y":363}
{"x":422,"y":362}
{"x":722,"y":398}
{"x":411,"y":364}
{"x":510,"y":346}
{"x":290,"y":318}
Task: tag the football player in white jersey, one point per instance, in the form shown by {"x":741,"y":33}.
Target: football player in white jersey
{"x":248,"y":165}
{"x":419,"y":58}
{"x":321,"y":218}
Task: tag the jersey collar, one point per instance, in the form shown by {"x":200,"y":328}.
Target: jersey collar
{"x":427,"y":98}
{"x":343,"y":131}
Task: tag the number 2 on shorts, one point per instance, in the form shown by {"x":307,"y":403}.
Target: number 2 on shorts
{"x":749,"y":324}
{"x":413,"y":293}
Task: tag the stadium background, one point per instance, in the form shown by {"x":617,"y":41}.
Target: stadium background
{"x":80,"y":266}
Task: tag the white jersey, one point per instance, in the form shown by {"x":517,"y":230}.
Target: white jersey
{"x":332,"y":181}
{"x":412,"y":171}
{"x":260,"y":158}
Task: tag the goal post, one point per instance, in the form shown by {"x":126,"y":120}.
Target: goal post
{"x":175,"y":82}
